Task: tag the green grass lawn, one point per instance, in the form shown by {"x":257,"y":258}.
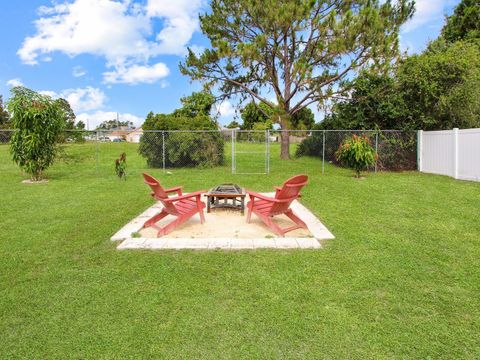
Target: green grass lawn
{"x":401,"y":279}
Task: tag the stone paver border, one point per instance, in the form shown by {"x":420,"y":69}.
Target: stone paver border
{"x":315,"y":226}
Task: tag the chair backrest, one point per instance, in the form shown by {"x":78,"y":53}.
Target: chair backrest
{"x":289,"y":190}
{"x":159,"y":193}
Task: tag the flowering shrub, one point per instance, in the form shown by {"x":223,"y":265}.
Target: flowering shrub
{"x":357,"y":153}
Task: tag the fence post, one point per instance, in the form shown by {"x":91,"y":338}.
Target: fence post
{"x":323,"y":154}
{"x":163,"y":150}
{"x":267,"y":160}
{"x":233,"y":151}
{"x":97,"y":151}
{"x":455,"y":152}
{"x":419,"y":150}
{"x":376,"y":150}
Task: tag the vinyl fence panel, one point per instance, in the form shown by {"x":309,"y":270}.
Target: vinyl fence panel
{"x":469,"y":154}
{"x":454,"y":153}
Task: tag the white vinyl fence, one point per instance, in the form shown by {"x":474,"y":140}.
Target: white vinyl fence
{"x":455,"y":153}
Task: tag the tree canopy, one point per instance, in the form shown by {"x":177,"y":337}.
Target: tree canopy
{"x":198,"y":103}
{"x":253,"y":114}
{"x":441,"y":88}
{"x":38,"y":121}
{"x":233,"y":125}
{"x":300,"y":50}
{"x":376,"y":102}
{"x":114,"y":124}
{"x":464,"y":23}
{"x":431,"y":91}
{"x":69,"y":115}
{"x":183,"y":148}
{"x":435,"y":90}
{"x":304,"y":119}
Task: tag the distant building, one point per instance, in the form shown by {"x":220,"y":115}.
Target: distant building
{"x":118,"y":134}
{"x":134,"y":135}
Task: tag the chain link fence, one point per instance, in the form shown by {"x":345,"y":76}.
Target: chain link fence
{"x":396,"y":150}
{"x":234,"y":151}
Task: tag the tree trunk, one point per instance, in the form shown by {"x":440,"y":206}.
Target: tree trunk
{"x":284,"y":145}
{"x":284,"y":138}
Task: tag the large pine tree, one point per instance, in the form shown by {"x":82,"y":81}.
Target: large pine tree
{"x":302,"y":51}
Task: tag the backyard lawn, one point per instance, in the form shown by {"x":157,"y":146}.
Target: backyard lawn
{"x":401,"y":279}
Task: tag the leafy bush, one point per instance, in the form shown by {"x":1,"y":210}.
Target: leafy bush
{"x":356,"y":152}
{"x":38,"y":122}
{"x":182,"y":146}
{"x":311,"y":146}
{"x":397,"y":150}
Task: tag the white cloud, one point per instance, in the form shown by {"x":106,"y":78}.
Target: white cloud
{"x":136,"y":74}
{"x":78,"y":71}
{"x":88,"y":104}
{"x":122,"y":32}
{"x":94,"y":119}
{"x":427,"y":11}
{"x":197,"y":49}
{"x":50,"y":93}
{"x":225,"y":109}
{"x":85,"y":99}
{"x":105,"y":28}
{"x":180,"y":22}
{"x":14,"y":82}
{"x":81,"y":99}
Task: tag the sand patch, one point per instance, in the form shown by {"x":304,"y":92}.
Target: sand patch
{"x":224,"y":229}
{"x":223,"y":223}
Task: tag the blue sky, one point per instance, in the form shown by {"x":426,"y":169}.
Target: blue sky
{"x":109,"y":56}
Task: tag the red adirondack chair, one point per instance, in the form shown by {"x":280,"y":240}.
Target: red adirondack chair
{"x":266,"y":207}
{"x":183,"y":207}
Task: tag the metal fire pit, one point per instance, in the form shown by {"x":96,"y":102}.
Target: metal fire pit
{"x":229,"y":196}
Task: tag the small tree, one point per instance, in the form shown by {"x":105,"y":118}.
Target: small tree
{"x":356,"y":152}
{"x":38,"y":121}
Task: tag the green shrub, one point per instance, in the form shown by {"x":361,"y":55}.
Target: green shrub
{"x":183,"y":147}
{"x":397,"y":150}
{"x":356,"y":152}
{"x":311,"y":146}
{"x":38,"y":122}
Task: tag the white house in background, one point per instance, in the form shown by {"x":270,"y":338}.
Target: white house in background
{"x":135,"y":135}
{"x":117,"y":134}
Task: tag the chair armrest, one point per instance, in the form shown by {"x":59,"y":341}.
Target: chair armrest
{"x":267,"y":198}
{"x":187,"y":196}
{"x":177,"y":189}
